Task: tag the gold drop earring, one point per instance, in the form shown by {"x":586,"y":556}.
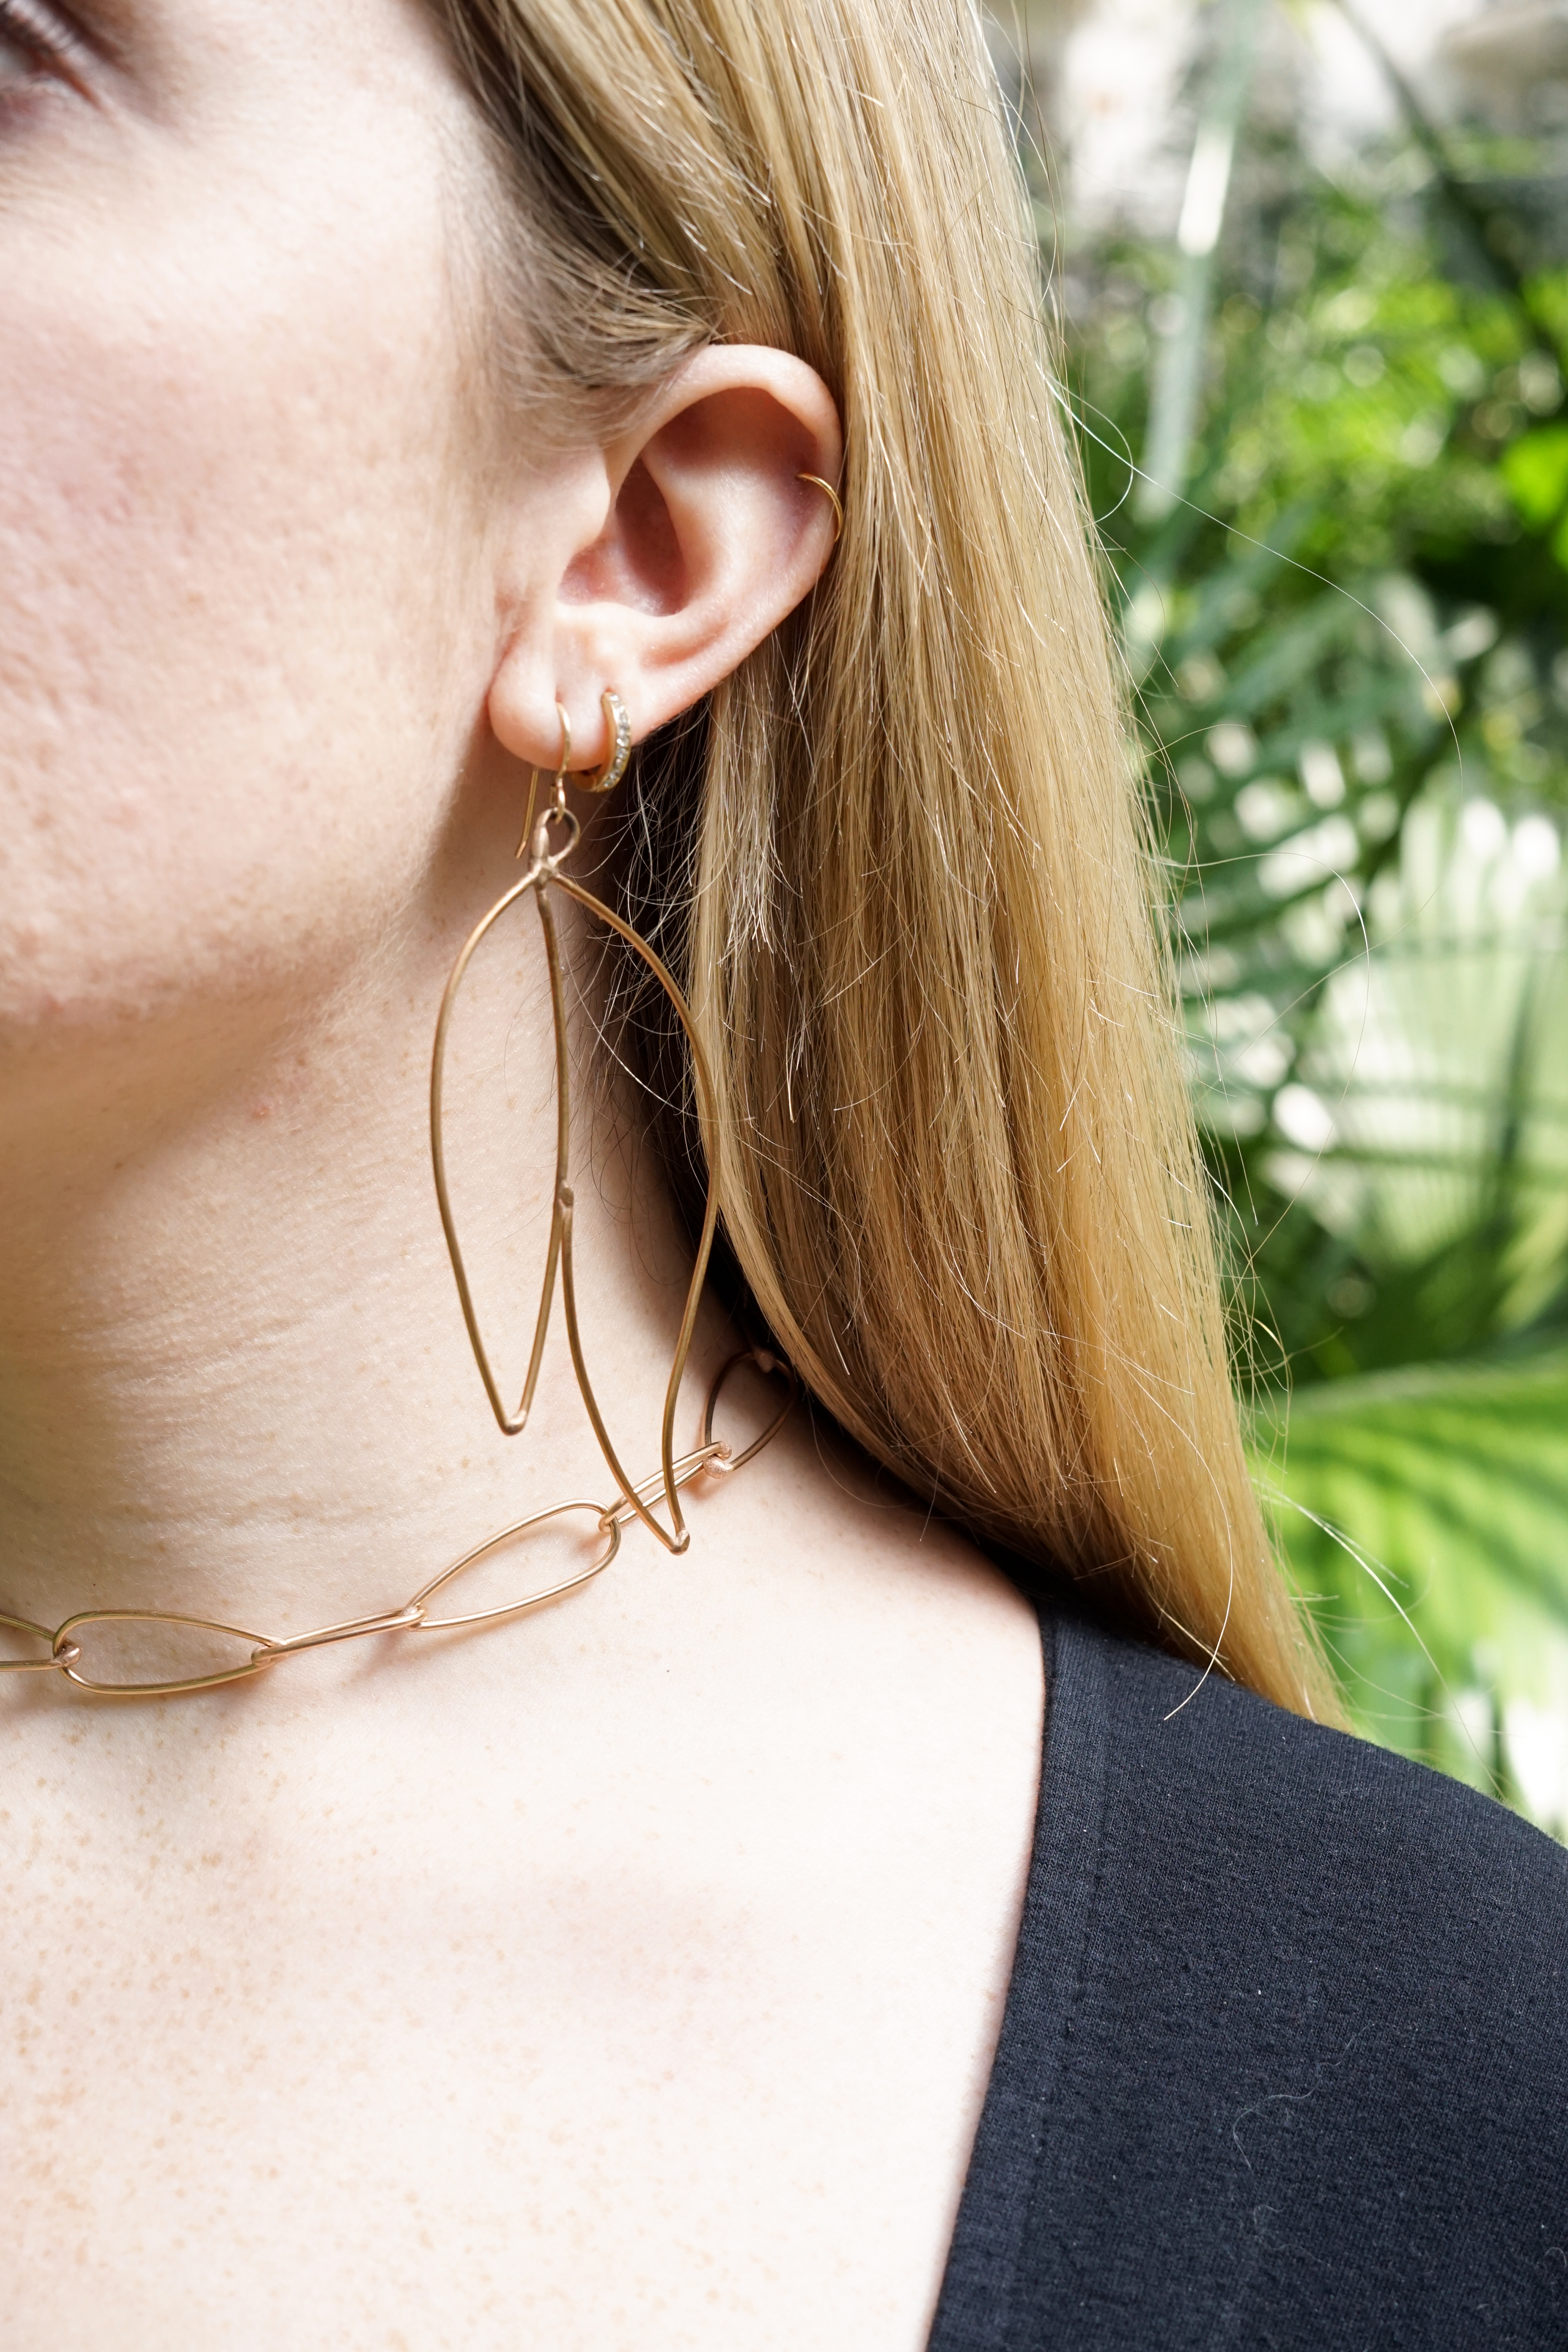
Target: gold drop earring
{"x":556,"y":824}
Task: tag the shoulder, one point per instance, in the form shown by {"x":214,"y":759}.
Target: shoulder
{"x":1286,"y":2059}
{"x":1292,"y":1798}
{"x":1321,"y":1841}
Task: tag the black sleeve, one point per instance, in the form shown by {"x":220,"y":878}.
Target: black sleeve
{"x":1285,"y":2058}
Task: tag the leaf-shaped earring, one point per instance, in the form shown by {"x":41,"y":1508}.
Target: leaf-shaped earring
{"x":544,"y":873}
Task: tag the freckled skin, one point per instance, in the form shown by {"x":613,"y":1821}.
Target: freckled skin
{"x":629,"y":1976}
{"x":229,"y":598}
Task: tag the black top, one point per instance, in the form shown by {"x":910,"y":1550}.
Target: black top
{"x":1285,"y":2056}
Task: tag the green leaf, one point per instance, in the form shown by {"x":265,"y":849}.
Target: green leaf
{"x":1424,"y":1517}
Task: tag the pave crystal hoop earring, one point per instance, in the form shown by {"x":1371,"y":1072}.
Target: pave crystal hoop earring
{"x":544,"y":874}
{"x":617,"y":735}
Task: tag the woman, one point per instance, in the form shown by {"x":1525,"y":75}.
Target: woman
{"x":398,"y":400}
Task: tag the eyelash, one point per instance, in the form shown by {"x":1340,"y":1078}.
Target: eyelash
{"x":39,"y":36}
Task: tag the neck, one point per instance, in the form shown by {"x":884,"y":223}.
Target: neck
{"x":235,"y":1380}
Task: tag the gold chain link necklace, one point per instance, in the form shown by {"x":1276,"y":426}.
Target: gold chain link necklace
{"x":68,"y":1648}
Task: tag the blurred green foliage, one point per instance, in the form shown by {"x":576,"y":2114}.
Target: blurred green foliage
{"x":1350,"y":646}
{"x":1459,"y":1473}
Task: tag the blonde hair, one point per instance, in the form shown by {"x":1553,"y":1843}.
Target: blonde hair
{"x":899,"y":858}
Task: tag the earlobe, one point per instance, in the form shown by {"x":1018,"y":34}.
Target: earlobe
{"x":713,"y":527}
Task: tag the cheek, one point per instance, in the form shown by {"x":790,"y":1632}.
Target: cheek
{"x":236,"y":668}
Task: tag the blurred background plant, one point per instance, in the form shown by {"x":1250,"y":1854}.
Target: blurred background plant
{"x":1313,"y":270}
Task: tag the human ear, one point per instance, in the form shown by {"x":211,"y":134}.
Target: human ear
{"x":677,"y":549}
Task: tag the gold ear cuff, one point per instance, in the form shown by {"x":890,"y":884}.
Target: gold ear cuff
{"x":818,"y":484}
